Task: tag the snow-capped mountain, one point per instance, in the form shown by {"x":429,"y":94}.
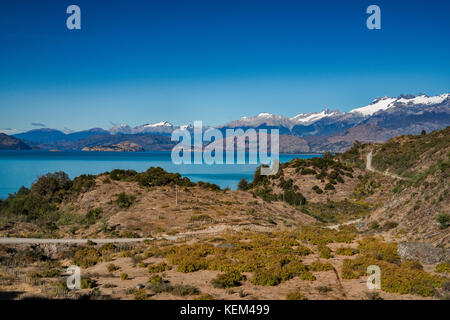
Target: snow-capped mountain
{"x":319,"y":131}
{"x":307,"y":118}
{"x":162,"y":127}
{"x":266,"y":119}
{"x":385,"y":103}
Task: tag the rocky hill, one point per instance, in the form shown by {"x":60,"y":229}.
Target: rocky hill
{"x":11,"y":143}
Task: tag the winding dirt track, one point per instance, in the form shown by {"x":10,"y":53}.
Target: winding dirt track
{"x":372,"y":169}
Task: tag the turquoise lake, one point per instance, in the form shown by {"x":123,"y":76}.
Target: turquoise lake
{"x":21,"y":168}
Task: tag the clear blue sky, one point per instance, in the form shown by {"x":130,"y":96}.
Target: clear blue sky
{"x":142,"y":61}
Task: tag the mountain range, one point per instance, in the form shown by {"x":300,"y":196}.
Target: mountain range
{"x":328,"y":130}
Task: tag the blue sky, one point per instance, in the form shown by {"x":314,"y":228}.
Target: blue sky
{"x":142,"y":61}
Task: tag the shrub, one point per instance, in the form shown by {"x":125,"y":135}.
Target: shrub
{"x":388,"y":225}
{"x":155,"y":279}
{"x":209,"y":186}
{"x":123,"y":175}
{"x":306,"y":171}
{"x":140,"y":294}
{"x":444,"y":220}
{"x":329,"y":186}
{"x":346,"y":251}
{"x":123,"y":276}
{"x":228,"y":280}
{"x":157,"y":268}
{"x":157,"y":285}
{"x":320,"y":266}
{"x":295,"y":296}
{"x":317,"y":190}
{"x":87,"y":283}
{"x":443,"y":267}
{"x":124,"y":200}
{"x":184,"y":290}
{"x":264,"y":277}
{"x":243,"y":184}
{"x":107,"y":248}
{"x":325,"y":252}
{"x":303,"y":251}
{"x":93,"y":215}
{"x":294,"y":198}
{"x":85,"y":257}
{"x":412,"y":265}
{"x":112,"y":267}
{"x":324,"y":289}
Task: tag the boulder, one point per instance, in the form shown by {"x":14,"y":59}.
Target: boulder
{"x":423,"y":252}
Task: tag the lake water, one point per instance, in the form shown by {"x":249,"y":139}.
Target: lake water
{"x":21,"y":168}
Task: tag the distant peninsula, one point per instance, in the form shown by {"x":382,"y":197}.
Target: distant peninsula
{"x":125,"y":146}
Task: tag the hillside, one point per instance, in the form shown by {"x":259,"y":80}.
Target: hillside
{"x":11,"y":143}
{"x":308,"y":232}
{"x":420,"y":204}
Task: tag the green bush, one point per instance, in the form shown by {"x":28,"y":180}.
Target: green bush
{"x":295,"y":296}
{"x":87,"y":283}
{"x":123,"y":175}
{"x":346,"y":251}
{"x":325,"y":252}
{"x":444,"y":220}
{"x":293,"y":198}
{"x":228,"y":280}
{"x":317,"y":190}
{"x":157,"y":268}
{"x":112,"y":267}
{"x":184,"y":290}
{"x":320,"y":266}
{"x":329,"y":186}
{"x":140,"y":294}
{"x":93,"y":215}
{"x":243,"y":184}
{"x":85,"y":257}
{"x":443,"y":267}
{"x":124,"y":200}
{"x":307,"y":171}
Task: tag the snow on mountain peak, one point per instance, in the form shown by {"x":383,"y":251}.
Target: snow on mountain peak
{"x":386,"y":103}
{"x":313,"y":116}
{"x":376,"y":105}
{"x":424,"y":99}
{"x":159,"y":124}
{"x":265,"y":115}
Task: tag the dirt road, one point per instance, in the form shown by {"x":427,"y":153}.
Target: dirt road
{"x":372,"y":169}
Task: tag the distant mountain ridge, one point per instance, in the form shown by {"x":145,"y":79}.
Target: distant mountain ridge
{"x":11,"y":143}
{"x":327,"y":130}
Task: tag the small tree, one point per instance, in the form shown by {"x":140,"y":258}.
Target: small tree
{"x":444,"y":220}
{"x":243,"y":184}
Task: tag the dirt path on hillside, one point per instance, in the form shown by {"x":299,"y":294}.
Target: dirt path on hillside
{"x":217,"y":229}
{"x":372,"y":169}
